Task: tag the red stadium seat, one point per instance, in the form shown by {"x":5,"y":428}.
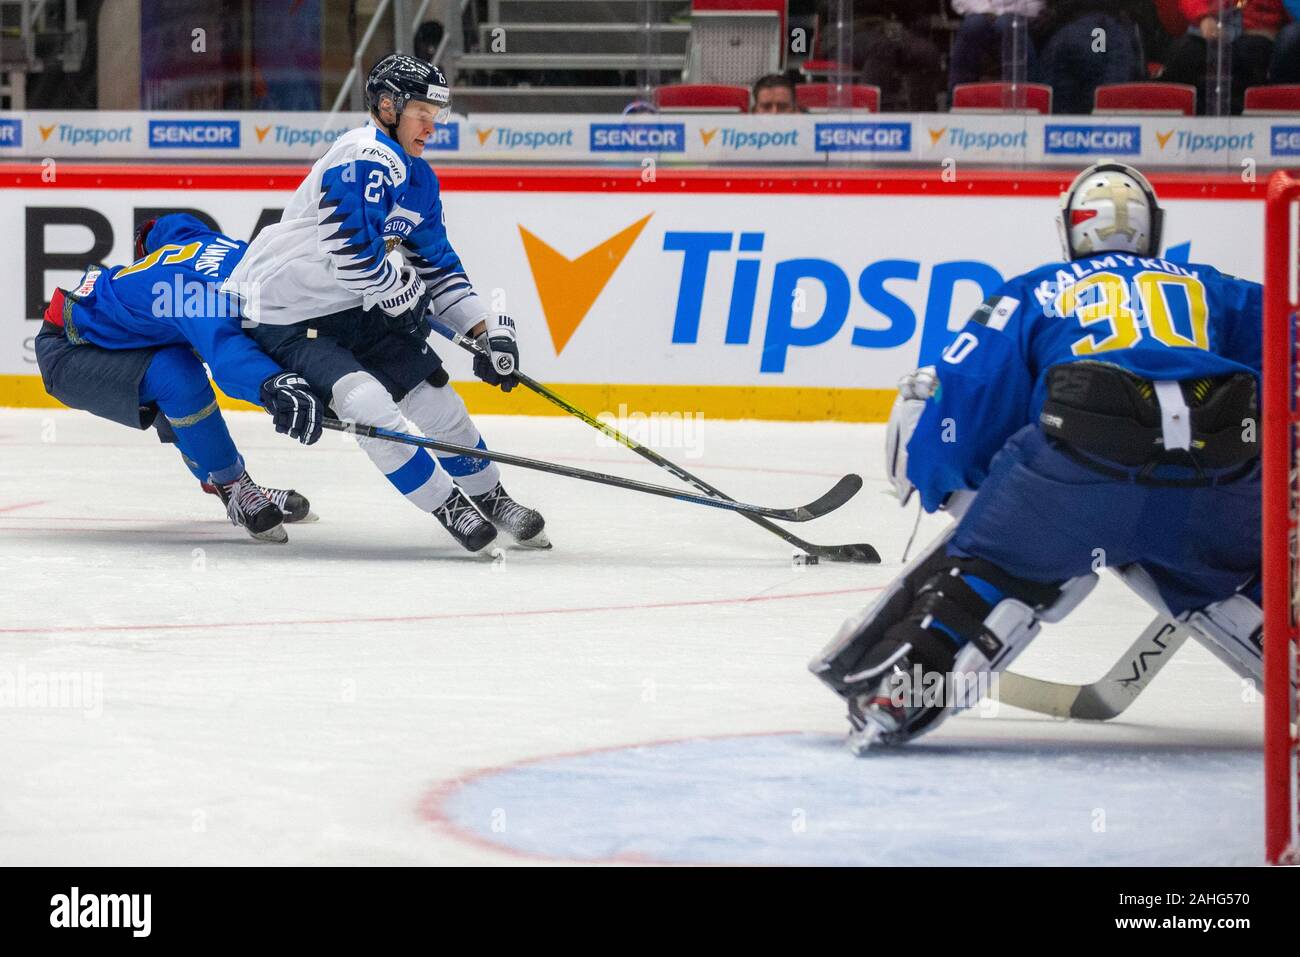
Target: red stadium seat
{"x":1170,"y":98}
{"x":1002,"y":98}
{"x":1278,"y":98}
{"x":702,"y":98}
{"x":819,"y":70}
{"x":818,"y":97}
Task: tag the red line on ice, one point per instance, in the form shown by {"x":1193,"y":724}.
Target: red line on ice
{"x":14,"y":508}
{"x":522,"y":613}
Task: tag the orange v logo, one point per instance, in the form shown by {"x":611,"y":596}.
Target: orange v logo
{"x":568,"y":287}
{"x":46,"y":131}
{"x":261,"y":132}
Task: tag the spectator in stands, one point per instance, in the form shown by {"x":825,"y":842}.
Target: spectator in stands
{"x":1075,"y":59}
{"x":774,"y":93}
{"x":986,"y":34}
{"x":1286,"y":49}
{"x":889,"y":48}
{"x":1250,"y":26}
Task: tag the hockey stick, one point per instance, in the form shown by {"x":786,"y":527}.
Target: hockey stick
{"x":841,"y":492}
{"x":862,"y":552}
{"x":1107,"y":697}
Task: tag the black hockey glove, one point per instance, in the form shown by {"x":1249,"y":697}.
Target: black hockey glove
{"x":498,"y":356}
{"x":297,"y":411}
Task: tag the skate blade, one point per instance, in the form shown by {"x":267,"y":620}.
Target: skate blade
{"x":272,"y":536}
{"x":305,"y":520}
{"x":873,"y":735}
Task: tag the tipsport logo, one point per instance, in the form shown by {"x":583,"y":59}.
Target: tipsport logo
{"x":711,"y":257}
{"x":283,"y":134}
{"x":72,"y":135}
{"x":517,"y":140}
{"x":978,"y":141}
{"x":569,"y":287}
{"x":1189,"y":141}
{"x":752,"y":140}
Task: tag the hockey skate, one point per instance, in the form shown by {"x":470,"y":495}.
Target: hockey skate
{"x":882,"y":704}
{"x":248,"y":506}
{"x":525,"y":525}
{"x":293,"y":504}
{"x":464,"y":522}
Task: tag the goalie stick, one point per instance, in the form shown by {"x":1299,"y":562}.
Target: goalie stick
{"x":860,"y":552}
{"x":1107,"y":697}
{"x":841,"y":492}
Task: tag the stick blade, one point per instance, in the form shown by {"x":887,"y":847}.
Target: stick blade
{"x":861,"y":553}
{"x":840,"y":492}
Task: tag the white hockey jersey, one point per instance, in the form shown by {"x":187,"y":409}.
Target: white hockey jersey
{"x":363,"y":210}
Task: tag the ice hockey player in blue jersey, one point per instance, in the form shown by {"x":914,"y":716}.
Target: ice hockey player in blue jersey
{"x":348,"y":282}
{"x":130,"y":341}
{"x":1102,"y":411}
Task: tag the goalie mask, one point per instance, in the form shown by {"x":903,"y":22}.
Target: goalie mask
{"x":1110,"y":207}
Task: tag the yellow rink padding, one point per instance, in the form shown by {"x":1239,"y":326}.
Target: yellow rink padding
{"x":713,"y":401}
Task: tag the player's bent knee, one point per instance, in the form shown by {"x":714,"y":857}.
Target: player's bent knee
{"x":176,"y":380}
{"x":360,"y":397}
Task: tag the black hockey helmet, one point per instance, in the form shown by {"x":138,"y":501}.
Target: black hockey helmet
{"x":405,"y":78}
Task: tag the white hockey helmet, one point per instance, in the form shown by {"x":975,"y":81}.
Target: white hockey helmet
{"x":1110,"y":207}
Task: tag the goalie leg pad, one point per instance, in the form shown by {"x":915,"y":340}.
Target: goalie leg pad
{"x":1231,"y":630}
{"x":915,"y":656}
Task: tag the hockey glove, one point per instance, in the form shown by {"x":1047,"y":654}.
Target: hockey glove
{"x":406,"y":309}
{"x":498,"y":354}
{"x":914,"y":390}
{"x":141,"y":235}
{"x":297,"y":411}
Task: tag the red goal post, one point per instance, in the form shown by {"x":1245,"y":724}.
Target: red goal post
{"x":1281,"y":497}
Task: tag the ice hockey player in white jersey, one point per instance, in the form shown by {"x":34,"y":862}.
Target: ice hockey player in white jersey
{"x":343,"y":289}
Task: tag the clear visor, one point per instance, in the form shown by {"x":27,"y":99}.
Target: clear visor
{"x":428,"y":112}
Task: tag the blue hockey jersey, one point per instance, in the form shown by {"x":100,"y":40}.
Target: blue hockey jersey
{"x":173,"y":296}
{"x":1158,"y":319}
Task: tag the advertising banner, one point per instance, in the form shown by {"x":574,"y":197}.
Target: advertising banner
{"x":765,"y":295}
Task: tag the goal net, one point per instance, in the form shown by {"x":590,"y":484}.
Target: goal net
{"x":1281,"y":463}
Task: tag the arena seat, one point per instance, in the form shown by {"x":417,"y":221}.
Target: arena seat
{"x":1002,"y":98}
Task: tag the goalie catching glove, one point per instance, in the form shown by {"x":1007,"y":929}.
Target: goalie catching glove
{"x":297,"y":411}
{"x":498,"y":354}
{"x":914,"y":390}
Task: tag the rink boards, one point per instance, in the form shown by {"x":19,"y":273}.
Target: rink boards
{"x":757,"y":293}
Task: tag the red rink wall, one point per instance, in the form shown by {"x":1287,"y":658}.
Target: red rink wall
{"x":740,"y":293}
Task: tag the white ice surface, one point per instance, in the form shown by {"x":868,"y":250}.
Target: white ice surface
{"x":344,"y":699}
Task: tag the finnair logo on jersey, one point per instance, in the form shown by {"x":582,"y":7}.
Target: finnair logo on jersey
{"x":74,"y":909}
{"x":1285,"y":140}
{"x":11,"y":133}
{"x":635,"y":137}
{"x":1079,"y":139}
{"x":863,"y":137}
{"x":194,"y":134}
